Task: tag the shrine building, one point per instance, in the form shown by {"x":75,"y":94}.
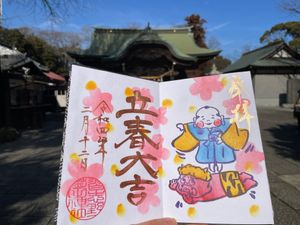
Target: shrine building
{"x":275,"y":71}
{"x":155,"y":54}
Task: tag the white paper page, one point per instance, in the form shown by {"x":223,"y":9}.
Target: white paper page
{"x":200,"y":192}
{"x":93,"y":195}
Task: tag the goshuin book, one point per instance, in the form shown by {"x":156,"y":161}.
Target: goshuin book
{"x":136,"y":150}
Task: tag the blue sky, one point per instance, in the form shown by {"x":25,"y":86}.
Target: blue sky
{"x":235,"y":24}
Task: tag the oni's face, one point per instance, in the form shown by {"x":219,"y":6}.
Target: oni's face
{"x":208,"y":118}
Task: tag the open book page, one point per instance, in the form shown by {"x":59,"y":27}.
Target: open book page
{"x":216,"y":171}
{"x":136,"y":150}
{"x":112,"y":159}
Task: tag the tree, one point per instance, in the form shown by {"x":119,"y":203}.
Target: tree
{"x":64,"y":40}
{"x":13,"y":38}
{"x":221,"y":62}
{"x":292,"y":6}
{"x":54,"y":9}
{"x":213,"y":43}
{"x":196,"y":22}
{"x":288,"y":32}
{"x":34,"y":47}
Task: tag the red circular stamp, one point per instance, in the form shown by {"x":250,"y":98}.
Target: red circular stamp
{"x":86,"y":198}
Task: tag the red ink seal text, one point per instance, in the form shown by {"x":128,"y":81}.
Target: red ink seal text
{"x":86,"y":198}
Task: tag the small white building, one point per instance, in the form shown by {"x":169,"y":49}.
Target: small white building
{"x":275,"y":71}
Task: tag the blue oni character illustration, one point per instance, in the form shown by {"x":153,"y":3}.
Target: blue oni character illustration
{"x":215,"y":137}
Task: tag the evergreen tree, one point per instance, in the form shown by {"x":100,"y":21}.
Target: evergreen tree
{"x":35,"y":48}
{"x":288,"y":32}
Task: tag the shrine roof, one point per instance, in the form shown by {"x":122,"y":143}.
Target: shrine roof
{"x":113,"y":43}
{"x":276,"y":54}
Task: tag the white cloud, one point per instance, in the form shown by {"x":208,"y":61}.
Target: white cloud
{"x":218,"y":27}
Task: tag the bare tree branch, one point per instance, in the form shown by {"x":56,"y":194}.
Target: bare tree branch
{"x":55,"y":9}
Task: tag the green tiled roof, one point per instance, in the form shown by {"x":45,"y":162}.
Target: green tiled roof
{"x":112,"y":43}
{"x":183,"y":40}
{"x":278,"y":62}
{"x":261,"y":58}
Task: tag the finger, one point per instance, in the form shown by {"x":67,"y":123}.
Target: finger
{"x":163,"y":221}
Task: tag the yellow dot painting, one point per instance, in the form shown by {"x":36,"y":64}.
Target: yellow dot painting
{"x":91,"y":85}
{"x":128,"y":91}
{"x":121,"y":211}
{"x":113,"y":169}
{"x":177,"y":160}
{"x":254,"y":210}
{"x":192,"y":109}
{"x":192,"y":212}
{"x":161,"y":173}
{"x":74,"y":157}
{"x":73,"y":219}
{"x":249,"y":166}
{"x":109,"y":127}
{"x":224,"y":81}
{"x":167,"y":103}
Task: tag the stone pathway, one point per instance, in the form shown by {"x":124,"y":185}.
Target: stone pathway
{"x":281,"y":141}
{"x":29,"y":173}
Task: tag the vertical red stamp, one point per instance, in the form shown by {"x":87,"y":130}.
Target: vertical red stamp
{"x":86,"y":198}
